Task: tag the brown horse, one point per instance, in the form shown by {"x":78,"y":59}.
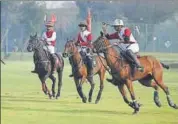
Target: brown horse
{"x":80,"y":71}
{"x":122,"y":73}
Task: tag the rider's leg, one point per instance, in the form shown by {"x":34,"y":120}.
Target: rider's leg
{"x":133,"y":56}
{"x":90,"y":67}
{"x":34,"y":60}
{"x":53,"y":58}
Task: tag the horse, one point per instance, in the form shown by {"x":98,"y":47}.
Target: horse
{"x":43,"y":64}
{"x":80,"y":71}
{"x":121,"y":72}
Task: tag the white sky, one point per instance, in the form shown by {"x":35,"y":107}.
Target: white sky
{"x":60,"y":4}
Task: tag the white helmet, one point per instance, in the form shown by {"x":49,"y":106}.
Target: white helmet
{"x":118,"y":22}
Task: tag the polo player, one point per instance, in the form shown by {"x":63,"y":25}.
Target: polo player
{"x":49,"y":37}
{"x":84,"y":39}
{"x":126,"y":41}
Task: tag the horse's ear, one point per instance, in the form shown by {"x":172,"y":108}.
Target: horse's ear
{"x":67,"y":39}
{"x":101,"y":33}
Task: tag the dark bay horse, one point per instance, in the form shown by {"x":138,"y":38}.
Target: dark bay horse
{"x":44,"y":65}
{"x":80,"y":71}
{"x":122,"y":73}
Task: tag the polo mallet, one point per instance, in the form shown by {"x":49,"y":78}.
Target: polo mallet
{"x":3,"y":62}
{"x":107,"y":24}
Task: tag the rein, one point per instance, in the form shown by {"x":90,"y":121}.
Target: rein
{"x":118,"y":59}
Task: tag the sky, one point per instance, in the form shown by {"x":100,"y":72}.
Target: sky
{"x":60,"y":4}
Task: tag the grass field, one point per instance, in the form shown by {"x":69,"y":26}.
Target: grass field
{"x":23,"y":102}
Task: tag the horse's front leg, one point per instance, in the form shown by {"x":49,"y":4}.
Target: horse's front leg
{"x":53,"y":84}
{"x":136,"y":106}
{"x":91,"y":89}
{"x":43,"y":85}
{"x":60,"y":73}
{"x":124,"y":94}
{"x":45,"y":88}
{"x":101,"y":75}
{"x":79,"y":88}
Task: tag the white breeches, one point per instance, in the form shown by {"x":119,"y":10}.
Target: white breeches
{"x":50,"y":49}
{"x":134,"y":47}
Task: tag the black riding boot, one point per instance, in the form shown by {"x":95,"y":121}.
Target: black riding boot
{"x":34,"y":60}
{"x":53,"y":61}
{"x":90,"y":67}
{"x":136,"y":61}
{"x":70,"y":61}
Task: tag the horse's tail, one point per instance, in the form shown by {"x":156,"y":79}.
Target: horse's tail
{"x":165,"y":66}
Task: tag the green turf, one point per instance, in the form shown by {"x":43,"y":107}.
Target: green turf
{"x":23,"y":102}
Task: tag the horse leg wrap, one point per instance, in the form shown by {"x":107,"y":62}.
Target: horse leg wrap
{"x":156,"y":99}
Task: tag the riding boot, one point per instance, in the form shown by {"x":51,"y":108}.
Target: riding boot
{"x":53,"y":61}
{"x":136,"y":61}
{"x":70,"y":61}
{"x":34,"y":60}
{"x":90,"y":67}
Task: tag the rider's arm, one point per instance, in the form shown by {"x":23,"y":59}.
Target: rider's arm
{"x":112,"y":36}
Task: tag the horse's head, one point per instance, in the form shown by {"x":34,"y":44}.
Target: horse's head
{"x":69,"y":48}
{"x":32,"y":43}
{"x":101,"y":43}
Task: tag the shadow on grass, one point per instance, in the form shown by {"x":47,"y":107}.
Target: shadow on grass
{"x":35,"y":100}
{"x":74,"y":111}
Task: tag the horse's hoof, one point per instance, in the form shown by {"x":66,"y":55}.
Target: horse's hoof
{"x":84,"y":100}
{"x":135,"y":112}
{"x":158,"y":104}
{"x":57,"y":96}
{"x":89,"y":100}
{"x":175,"y":106}
{"x":53,"y":94}
{"x":96,"y":102}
